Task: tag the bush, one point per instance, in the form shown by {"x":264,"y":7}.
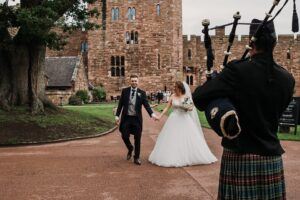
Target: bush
{"x":99,"y":94}
{"x":75,"y":100}
{"x":83,"y":95}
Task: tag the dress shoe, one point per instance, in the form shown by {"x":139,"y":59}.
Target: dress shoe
{"x":137,"y":161}
{"x":129,"y":154}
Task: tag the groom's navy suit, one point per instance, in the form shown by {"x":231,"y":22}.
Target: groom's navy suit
{"x":132,"y":124}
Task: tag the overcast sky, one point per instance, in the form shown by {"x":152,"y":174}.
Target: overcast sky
{"x":221,"y":11}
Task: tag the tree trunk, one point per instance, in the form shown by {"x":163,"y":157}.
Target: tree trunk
{"x":22,"y":77}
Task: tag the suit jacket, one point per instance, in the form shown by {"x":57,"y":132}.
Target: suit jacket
{"x":141,"y":99}
{"x":258,"y":102}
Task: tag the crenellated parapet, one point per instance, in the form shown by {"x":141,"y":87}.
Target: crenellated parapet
{"x":286,"y":52}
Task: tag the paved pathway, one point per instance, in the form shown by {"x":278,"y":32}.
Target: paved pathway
{"x":96,"y":169}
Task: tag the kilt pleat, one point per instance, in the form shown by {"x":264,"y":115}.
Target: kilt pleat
{"x":251,"y":177}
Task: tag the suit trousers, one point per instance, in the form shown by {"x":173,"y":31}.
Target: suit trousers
{"x":132,"y":126}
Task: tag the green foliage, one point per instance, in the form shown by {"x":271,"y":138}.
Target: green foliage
{"x":37,"y":19}
{"x":75,"y":100}
{"x":83,"y":95}
{"x":99,"y":94}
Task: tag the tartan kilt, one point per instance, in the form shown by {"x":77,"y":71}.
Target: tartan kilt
{"x":251,"y":177}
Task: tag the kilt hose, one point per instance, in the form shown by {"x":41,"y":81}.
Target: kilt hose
{"x":251,"y":177}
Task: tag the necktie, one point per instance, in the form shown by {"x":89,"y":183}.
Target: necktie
{"x":132,"y":94}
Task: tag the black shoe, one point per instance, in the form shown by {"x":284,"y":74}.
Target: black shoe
{"x":129,"y":154}
{"x":137,"y":161}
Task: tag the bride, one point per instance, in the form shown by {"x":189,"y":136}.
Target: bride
{"x":181,"y":141}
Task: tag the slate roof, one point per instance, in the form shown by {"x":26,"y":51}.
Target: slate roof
{"x":61,"y":70}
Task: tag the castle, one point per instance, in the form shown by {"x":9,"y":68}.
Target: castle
{"x":145,"y":38}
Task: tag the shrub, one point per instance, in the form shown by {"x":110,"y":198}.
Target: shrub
{"x":83,"y":95}
{"x":99,"y":94}
{"x":75,"y":100}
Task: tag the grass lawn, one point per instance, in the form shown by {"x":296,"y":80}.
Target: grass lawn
{"x":204,"y":123}
{"x":18,"y":126}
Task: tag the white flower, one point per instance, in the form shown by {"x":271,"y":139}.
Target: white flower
{"x":139,"y":94}
{"x":187,"y":103}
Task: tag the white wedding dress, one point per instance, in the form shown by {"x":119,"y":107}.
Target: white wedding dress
{"x":181,"y":141}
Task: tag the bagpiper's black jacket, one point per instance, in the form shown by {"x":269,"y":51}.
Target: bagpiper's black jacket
{"x":259,"y":101}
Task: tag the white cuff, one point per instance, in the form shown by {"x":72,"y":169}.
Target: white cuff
{"x":117,"y":118}
{"x":153,"y":115}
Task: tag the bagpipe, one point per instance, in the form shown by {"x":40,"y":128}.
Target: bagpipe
{"x":220,"y":113}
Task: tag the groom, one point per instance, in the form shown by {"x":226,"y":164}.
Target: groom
{"x":131,"y":122}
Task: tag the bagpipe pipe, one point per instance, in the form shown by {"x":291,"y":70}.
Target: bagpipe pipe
{"x":220,"y":113}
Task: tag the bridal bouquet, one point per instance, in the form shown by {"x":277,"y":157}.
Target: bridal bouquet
{"x":187,"y":104}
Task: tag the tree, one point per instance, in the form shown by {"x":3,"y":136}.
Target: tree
{"x":22,"y":78}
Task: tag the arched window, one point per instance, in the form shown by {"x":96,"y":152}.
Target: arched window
{"x":127,"y":37}
{"x":129,"y":14}
{"x":158,"y":61}
{"x":132,"y":37}
{"x":116,"y":13}
{"x":122,"y":71}
{"x":188,"y":80}
{"x":118,"y":71}
{"x":113,"y":71}
{"x":122,"y":60}
{"x":112,"y":61}
{"x":190,"y":54}
{"x":157,"y":9}
{"x":133,"y":13}
{"x":118,"y":61}
{"x":136,"y":37}
{"x":191,"y":80}
{"x":112,"y":14}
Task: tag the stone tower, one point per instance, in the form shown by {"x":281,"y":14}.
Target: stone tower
{"x":142,"y":37}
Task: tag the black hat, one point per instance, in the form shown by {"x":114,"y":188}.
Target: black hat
{"x":222,"y":117}
{"x":269,"y":28}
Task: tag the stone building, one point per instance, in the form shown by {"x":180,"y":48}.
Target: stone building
{"x":65,"y":76}
{"x":145,"y":38}
{"x":286,"y":53}
{"x":136,"y":37}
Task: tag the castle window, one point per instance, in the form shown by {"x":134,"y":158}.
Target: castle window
{"x":187,"y":80}
{"x":131,"y":14}
{"x":117,"y":14}
{"x":158,"y":10}
{"x":122,"y":71}
{"x":132,"y":37}
{"x":190,"y":54}
{"x":158,"y":61}
{"x":113,"y":71}
{"x":191,"y":80}
{"x":118,"y":71}
{"x":117,"y":66}
{"x":127,"y":37}
{"x":122,"y":60}
{"x":136,"y":37}
{"x":112,"y":61}
{"x":118,"y":61}
{"x":114,"y":14}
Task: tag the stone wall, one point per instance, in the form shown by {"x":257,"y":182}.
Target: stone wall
{"x":59,"y":96}
{"x":155,"y":58}
{"x":220,"y":43}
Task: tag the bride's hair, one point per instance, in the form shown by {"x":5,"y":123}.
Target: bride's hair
{"x":180,"y":86}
